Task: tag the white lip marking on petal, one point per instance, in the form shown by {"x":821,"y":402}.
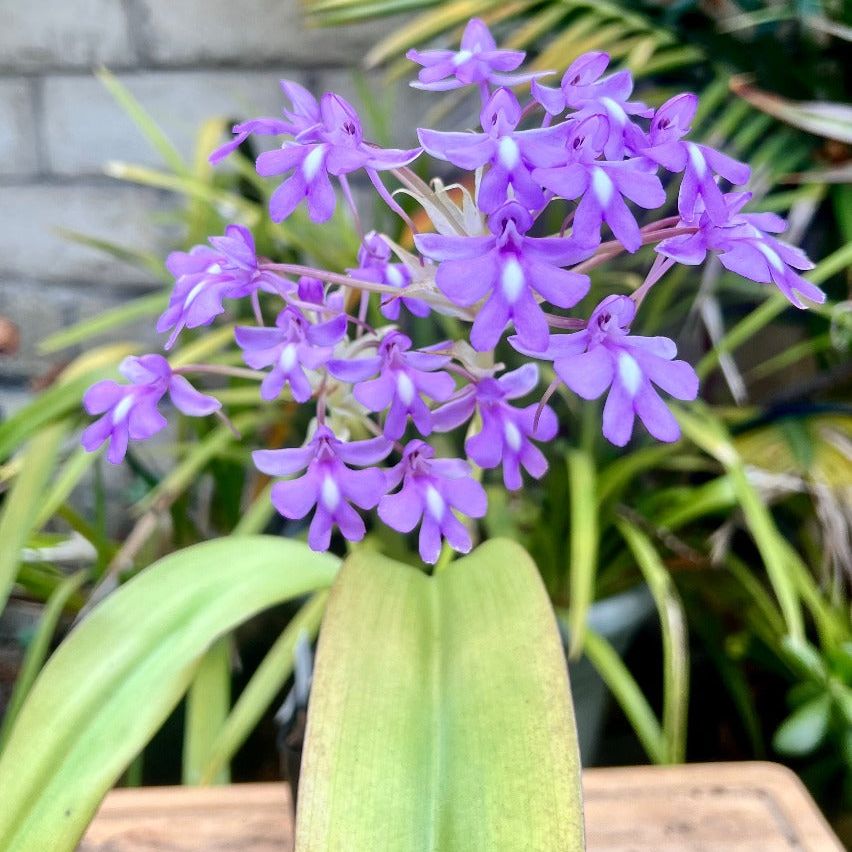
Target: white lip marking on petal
{"x":508,"y":152}
{"x":405,"y":388}
{"x":287,"y":358}
{"x":614,"y":109}
{"x":601,"y":186}
{"x":330,"y":493}
{"x":435,"y":503}
{"x":629,"y":372}
{"x":461,"y":57}
{"x":394,"y":277}
{"x":697,"y":159}
{"x":513,"y":435}
{"x":512,"y":280}
{"x":311,"y":164}
{"x":193,"y":293}
{"x":214,"y":269}
{"x":122,"y":409}
{"x":771,"y":255}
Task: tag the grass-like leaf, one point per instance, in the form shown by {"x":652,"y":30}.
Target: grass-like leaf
{"x":108,"y":688}
{"x":583,"y":549}
{"x":675,"y":644}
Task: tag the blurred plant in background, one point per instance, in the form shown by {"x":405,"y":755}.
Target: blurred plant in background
{"x":741,"y":531}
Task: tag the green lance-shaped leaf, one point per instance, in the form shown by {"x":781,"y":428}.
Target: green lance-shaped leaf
{"x":114,"y":680}
{"x":627,"y":693}
{"x":20,"y":508}
{"x":259,"y":693}
{"x":143,"y":308}
{"x":207,"y":703}
{"x":440,"y":717}
{"x":38,"y":648}
{"x":146,"y":124}
{"x":804,"y":729}
{"x":708,"y":432}
{"x":583,"y":545}
{"x":675,"y":642}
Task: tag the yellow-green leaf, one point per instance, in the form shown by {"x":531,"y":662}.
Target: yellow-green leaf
{"x":112,"y":682}
{"x":440,"y":717}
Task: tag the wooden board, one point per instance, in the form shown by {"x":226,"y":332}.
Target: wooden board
{"x":712,"y":807}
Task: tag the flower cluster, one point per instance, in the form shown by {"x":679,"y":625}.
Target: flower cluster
{"x":584,"y":149}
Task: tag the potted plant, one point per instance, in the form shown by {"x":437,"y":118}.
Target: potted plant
{"x":440,"y":707}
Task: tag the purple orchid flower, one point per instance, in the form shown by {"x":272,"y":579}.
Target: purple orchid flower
{"x":301,"y":117}
{"x":337,"y":147}
{"x":605,"y":355}
{"x":329,"y":484}
{"x":290,"y":347}
{"x":664,"y":146}
{"x":511,"y":153}
{"x":374,"y":264}
{"x":746,"y":247}
{"x":477,"y":62}
{"x":130,"y":411}
{"x":405,"y":377}
{"x":239,"y":260}
{"x":600,"y":185}
{"x":506,"y":431}
{"x":431,"y":489}
{"x":512,"y":267}
{"x":206,"y":276}
{"x":582,"y":90}
{"x":201,"y":285}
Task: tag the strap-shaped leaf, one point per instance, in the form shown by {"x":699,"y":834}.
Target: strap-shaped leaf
{"x":113,"y":681}
{"x":440,"y":717}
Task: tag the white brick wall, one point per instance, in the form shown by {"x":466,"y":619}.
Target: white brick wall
{"x":246,"y":32}
{"x":86,"y":128}
{"x":186,"y":61}
{"x":63,"y":34}
{"x":31,"y":249}
{"x":18,"y":135}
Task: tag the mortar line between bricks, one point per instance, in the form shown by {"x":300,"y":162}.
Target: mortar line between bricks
{"x":11,"y":72}
{"x":136,"y":27}
{"x":35,"y":88}
{"x":119,"y":293}
{"x":96,"y":180}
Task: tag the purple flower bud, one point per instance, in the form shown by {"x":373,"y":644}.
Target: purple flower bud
{"x":505,"y":437}
{"x":431,"y":489}
{"x":600,"y":185}
{"x":477,"y":62}
{"x":201,"y":285}
{"x":329,"y":483}
{"x":745,"y":247}
{"x":605,"y":355}
{"x":404,"y":379}
{"x":206,"y":276}
{"x":130,"y":411}
{"x":374,"y":264}
{"x":292,"y":346}
{"x":511,"y":267}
